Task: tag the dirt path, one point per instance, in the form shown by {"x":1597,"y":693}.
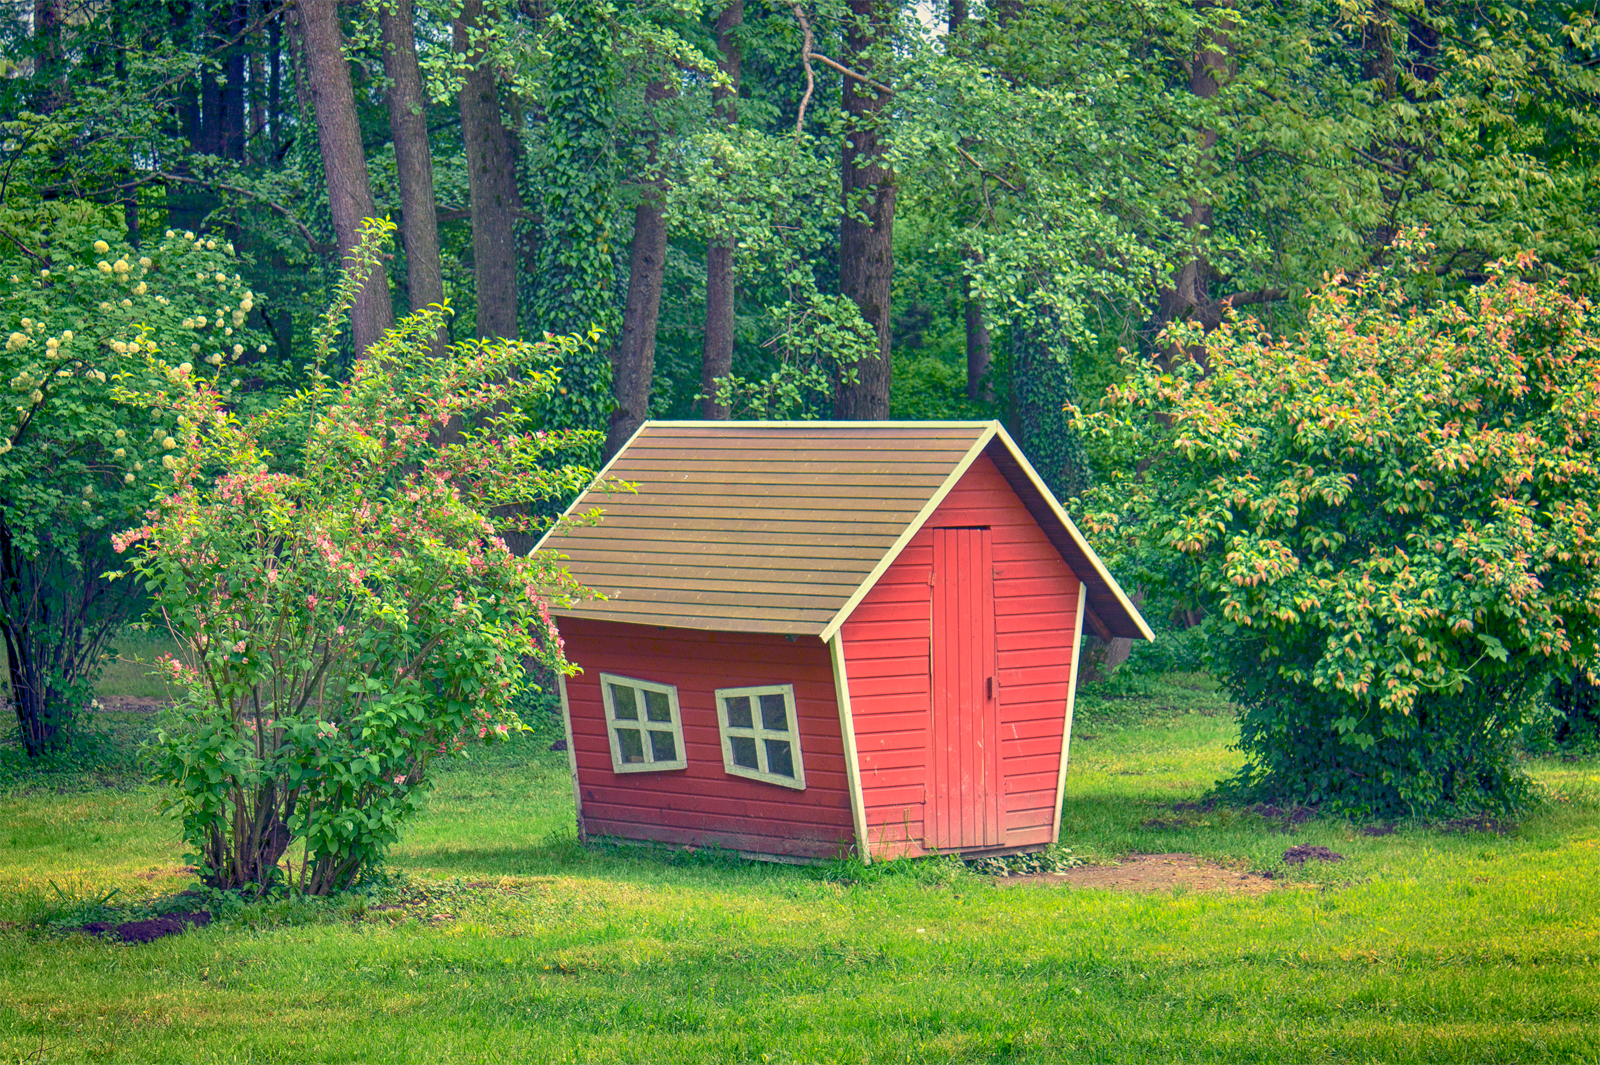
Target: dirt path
{"x":1151,"y":872}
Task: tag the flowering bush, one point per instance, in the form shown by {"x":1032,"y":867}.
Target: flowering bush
{"x":1390,"y":520}
{"x":78,"y":307}
{"x":348,"y":622}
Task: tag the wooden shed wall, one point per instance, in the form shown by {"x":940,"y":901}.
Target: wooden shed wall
{"x":886,"y":645}
{"x":702,"y":805}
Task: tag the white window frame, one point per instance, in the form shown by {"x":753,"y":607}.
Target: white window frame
{"x":759,"y":733}
{"x":649,"y":765}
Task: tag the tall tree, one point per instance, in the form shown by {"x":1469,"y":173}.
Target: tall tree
{"x":866,"y":231}
{"x":633,"y":359}
{"x":408,"y":124}
{"x":717,"y":359}
{"x":343,"y":160}
{"x":491,"y":176}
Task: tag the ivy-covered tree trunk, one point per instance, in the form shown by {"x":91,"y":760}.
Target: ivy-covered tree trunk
{"x":343,"y":159}
{"x":866,"y":233}
{"x":575,"y":279}
{"x":492,"y":178}
{"x":419,"y":228}
{"x":717,"y":358}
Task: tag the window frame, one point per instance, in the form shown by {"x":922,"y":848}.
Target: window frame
{"x":759,"y":732}
{"x":643,"y":725}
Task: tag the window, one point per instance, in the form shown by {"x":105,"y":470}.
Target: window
{"x":760,"y":735}
{"x":644,"y":724}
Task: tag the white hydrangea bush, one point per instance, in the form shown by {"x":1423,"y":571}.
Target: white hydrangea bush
{"x":80,"y":311}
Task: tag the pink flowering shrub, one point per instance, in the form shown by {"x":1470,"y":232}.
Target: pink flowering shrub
{"x":349,"y":621}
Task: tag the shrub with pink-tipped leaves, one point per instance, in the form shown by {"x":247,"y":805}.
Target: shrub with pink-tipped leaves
{"x":356,"y":614}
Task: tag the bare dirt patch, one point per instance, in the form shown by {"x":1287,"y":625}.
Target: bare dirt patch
{"x":133,"y":704}
{"x":1152,"y":872}
{"x":152,"y":929}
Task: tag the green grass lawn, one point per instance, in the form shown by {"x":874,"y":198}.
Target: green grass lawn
{"x":503,"y":939}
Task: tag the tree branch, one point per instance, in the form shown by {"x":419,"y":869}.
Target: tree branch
{"x":310,"y":238}
{"x":847,"y":72}
{"x":805,"y":61}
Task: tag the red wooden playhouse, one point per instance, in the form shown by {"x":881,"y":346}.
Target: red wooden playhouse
{"x":822,"y":638}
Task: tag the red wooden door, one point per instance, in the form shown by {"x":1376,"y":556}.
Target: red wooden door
{"x":963,"y":809}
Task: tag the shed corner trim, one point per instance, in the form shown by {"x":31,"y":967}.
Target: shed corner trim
{"x":915,"y":526}
{"x":852,"y":759}
{"x":1066,"y":724}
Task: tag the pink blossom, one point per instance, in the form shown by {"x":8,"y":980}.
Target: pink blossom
{"x":311,"y":602}
{"x":399,"y":778}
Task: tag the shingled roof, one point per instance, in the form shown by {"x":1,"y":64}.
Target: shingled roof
{"x":785,"y":526}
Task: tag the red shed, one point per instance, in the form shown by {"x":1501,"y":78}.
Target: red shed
{"x":828,"y":637}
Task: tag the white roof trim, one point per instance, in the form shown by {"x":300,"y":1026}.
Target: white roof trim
{"x":1072,"y":530}
{"x":597,"y":479}
{"x":988,"y":434}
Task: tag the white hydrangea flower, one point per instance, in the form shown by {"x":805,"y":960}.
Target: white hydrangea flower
{"x":127,"y":478}
{"x":140,"y":289}
{"x":101,"y":247}
{"x":120,"y":266}
{"x":105,"y":267}
{"x":120,"y":453}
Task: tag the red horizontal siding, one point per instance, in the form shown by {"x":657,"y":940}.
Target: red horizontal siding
{"x":886,"y":649}
{"x":703,"y":805}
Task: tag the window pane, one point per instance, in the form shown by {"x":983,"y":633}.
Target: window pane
{"x":738,"y":712}
{"x":662,"y":747}
{"x":622,"y":705}
{"x":744,"y":750}
{"x":779,"y":760}
{"x":774,"y":713}
{"x":631,"y":744}
{"x":656,"y":706}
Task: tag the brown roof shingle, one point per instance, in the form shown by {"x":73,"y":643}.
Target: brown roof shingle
{"x":782,"y":526}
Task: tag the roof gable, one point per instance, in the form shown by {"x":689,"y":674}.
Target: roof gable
{"x":785,"y":526}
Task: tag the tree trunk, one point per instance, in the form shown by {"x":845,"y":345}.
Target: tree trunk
{"x":492,"y":180}
{"x":980,"y":348}
{"x":866,"y":252}
{"x":633,"y":360}
{"x":232,"y":93}
{"x":717,"y":359}
{"x":419,"y":228}
{"x":343,"y":160}
{"x":1190,"y":293}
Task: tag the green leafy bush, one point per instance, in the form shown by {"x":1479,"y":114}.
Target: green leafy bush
{"x":1389,"y":520}
{"x":352,"y":620}
{"x":78,"y":307}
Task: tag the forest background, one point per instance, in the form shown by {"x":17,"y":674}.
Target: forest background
{"x":773,"y":210}
{"x":860,"y":209}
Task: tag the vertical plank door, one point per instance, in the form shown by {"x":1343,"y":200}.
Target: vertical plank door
{"x":964,"y":752}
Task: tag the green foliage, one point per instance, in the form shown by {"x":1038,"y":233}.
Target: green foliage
{"x":351,"y":621}
{"x":1388,"y":520}
{"x":79,"y":307}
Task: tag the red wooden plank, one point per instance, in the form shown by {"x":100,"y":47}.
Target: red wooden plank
{"x":1012,"y":658}
{"x":1041,"y":726}
{"x":755,"y":844}
{"x":1057,"y":621}
{"x":1030,"y":641}
{"x":902,"y":795}
{"x":870,"y":686}
{"x":857,"y":632}
{"x":1018,"y":782}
